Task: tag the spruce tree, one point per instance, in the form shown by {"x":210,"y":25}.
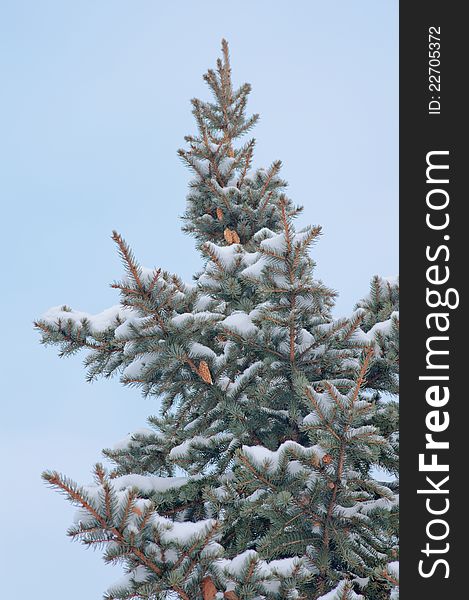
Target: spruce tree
{"x":258,"y":477}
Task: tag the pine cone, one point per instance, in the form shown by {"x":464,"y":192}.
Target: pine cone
{"x":327,"y":459}
{"x":235,"y":237}
{"x":231,"y":152}
{"x":228,"y":235}
{"x":209,"y":591}
{"x":230,"y":596}
{"x":219,"y":214}
{"x":204,"y":372}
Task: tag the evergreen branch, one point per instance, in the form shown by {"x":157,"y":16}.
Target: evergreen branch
{"x":322,"y":416}
{"x":154,"y":281}
{"x":83,"y":342}
{"x":266,"y":201}
{"x":127,"y":509}
{"x":342,"y":451}
{"x":247,"y":163}
{"x":208,"y":250}
{"x":335,"y":329}
{"x":55,"y":480}
{"x":273,"y":170}
{"x":128,"y":259}
{"x":251,"y":342}
{"x":195,"y":545}
{"x":389,"y":578}
{"x":286,"y":229}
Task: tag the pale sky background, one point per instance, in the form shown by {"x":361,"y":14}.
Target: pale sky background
{"x":94,"y":104}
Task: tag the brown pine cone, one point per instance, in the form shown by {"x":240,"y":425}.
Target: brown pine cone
{"x":204,"y":372}
{"x":209,"y":591}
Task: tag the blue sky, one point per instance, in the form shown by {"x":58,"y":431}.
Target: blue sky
{"x":94,"y":104}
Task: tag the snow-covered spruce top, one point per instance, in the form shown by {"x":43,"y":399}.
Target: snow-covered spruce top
{"x":255,"y":481}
